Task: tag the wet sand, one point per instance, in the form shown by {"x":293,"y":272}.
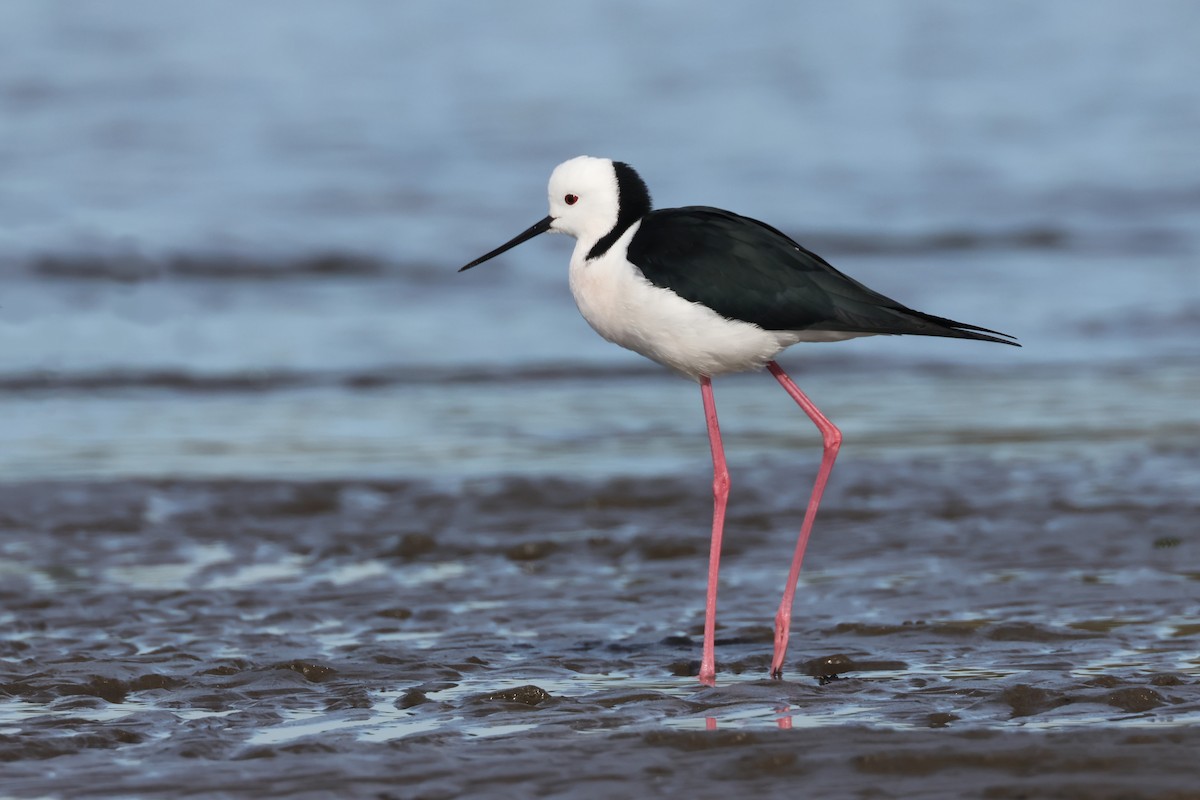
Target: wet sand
{"x":996,"y":629}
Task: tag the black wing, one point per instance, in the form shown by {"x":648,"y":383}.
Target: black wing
{"x":746,"y":270}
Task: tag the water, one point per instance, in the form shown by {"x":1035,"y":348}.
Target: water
{"x":291,"y":508}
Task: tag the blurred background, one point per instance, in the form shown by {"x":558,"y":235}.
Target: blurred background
{"x":229,"y":232}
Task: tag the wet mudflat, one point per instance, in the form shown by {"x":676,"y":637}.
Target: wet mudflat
{"x":1003,"y":628}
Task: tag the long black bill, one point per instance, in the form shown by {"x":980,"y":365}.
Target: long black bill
{"x":538,"y":227}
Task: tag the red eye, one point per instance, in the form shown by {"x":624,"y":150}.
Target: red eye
{"x":571,"y":199}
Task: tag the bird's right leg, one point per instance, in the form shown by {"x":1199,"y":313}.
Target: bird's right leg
{"x":832,"y":438}
{"x":708,"y":664}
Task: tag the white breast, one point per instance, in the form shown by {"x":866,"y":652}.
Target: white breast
{"x":689,"y":338}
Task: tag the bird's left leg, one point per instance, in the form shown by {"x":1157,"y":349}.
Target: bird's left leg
{"x":832,"y":438}
{"x":708,"y":664}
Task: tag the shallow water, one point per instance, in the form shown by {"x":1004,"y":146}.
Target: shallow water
{"x":290,"y":508}
{"x":363,"y":636}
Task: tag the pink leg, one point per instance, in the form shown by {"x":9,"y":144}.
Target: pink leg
{"x":833,"y":440}
{"x":708,"y":663}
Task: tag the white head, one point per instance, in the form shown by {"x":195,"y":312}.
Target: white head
{"x":592,"y":199}
{"x":584,"y":197}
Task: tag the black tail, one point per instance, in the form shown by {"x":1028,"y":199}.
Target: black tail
{"x":960,"y":330}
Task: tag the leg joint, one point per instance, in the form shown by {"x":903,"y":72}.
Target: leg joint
{"x":833,"y":437}
{"x":721,"y":482}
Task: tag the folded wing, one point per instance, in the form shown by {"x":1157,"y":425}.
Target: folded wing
{"x":746,"y":270}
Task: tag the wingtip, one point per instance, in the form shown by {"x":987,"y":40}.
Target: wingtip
{"x":990,"y":336}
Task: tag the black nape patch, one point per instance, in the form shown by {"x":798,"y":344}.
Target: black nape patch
{"x":633,"y":203}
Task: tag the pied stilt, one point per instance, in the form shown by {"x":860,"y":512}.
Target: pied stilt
{"x":704,"y":292}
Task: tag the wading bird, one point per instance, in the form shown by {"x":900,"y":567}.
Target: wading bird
{"x":705,"y":292}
